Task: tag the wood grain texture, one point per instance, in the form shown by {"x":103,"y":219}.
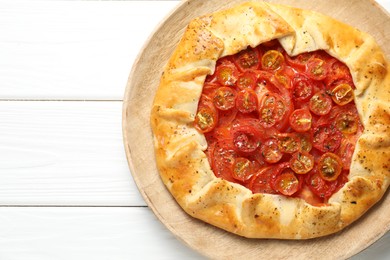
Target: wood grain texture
{"x":72,"y":49}
{"x":143,"y":81}
{"x":86,"y":233}
{"x":64,"y":153}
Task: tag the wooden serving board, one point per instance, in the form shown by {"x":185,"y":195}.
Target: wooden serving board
{"x":206,"y":239}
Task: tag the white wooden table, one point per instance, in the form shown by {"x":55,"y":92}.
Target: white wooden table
{"x":66,"y":191}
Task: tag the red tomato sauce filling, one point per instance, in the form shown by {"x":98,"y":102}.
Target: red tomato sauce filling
{"x":278,"y":124}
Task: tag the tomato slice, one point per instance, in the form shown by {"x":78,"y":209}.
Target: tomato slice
{"x":247,"y":80}
{"x":319,"y":186}
{"x":299,"y":61}
{"x":345,"y":152}
{"x":347,"y":122}
{"x":302,"y":162}
{"x":305,"y":141}
{"x":287,"y":183}
{"x":342,"y":94}
{"x":226,"y":117}
{"x":247,"y":59}
{"x":326,"y":138}
{"x":272,"y":60}
{"x":300,"y":120}
{"x":302,"y":89}
{"x":329,"y":166}
{"x":242,"y":169}
{"x":270,"y":151}
{"x":316,"y":68}
{"x":272,"y":109}
{"x":283,"y":77}
{"x":246,"y":135}
{"x":226,"y":74}
{"x":247,"y":101}
{"x":222,"y":158}
{"x":320,"y":103}
{"x":338,"y":71}
{"x":206,"y":117}
{"x":224,"y":98}
{"x":289,"y":142}
{"x":262,"y":181}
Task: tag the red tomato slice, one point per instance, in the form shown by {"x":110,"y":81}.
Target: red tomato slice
{"x":247,"y":80}
{"x":319,"y":186}
{"x":347,"y":122}
{"x":246,"y":101}
{"x":272,"y":110}
{"x":270,"y":151}
{"x":299,"y":61}
{"x":262,"y":180}
{"x":289,"y":143}
{"x":283,"y":77}
{"x":225,"y":118}
{"x":345,"y":152}
{"x":222,"y":159}
{"x":247,"y":59}
{"x":338,"y":71}
{"x":326,"y":138}
{"x":316,"y":68}
{"x":287,"y":183}
{"x":300,"y":120}
{"x":224,"y":98}
{"x":206,"y":117}
{"x":302,"y":162}
{"x":342,"y":94}
{"x":226,"y":73}
{"x":247,"y":135}
{"x":272,"y":60}
{"x":329,"y":166}
{"x":306,"y":141}
{"x":302,"y":89}
{"x":243,"y":169}
{"x":320,"y":103}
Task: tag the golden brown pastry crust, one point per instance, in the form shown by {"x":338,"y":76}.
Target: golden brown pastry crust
{"x":183,"y":165}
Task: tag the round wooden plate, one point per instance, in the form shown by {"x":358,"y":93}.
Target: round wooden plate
{"x":206,"y":239}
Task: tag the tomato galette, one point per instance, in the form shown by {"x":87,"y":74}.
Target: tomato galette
{"x":274,"y":122}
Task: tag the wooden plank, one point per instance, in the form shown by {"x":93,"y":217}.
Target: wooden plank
{"x":103,"y":233}
{"x":72,"y":49}
{"x":86,"y":233}
{"x":64,"y":153}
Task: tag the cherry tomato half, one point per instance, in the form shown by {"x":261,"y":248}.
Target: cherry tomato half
{"x":224,"y":98}
{"x":226,"y":74}
{"x":319,"y":186}
{"x":316,"y":68}
{"x":302,"y":162}
{"x":246,"y":101}
{"x":320,"y":103}
{"x":272,"y":60}
{"x":247,"y":80}
{"x":302,"y":89}
{"x":326,"y":138}
{"x":247,"y":59}
{"x":347,"y":122}
{"x":270,"y":151}
{"x":289,"y":142}
{"x":329,"y":166}
{"x":287,"y":183}
{"x":206,"y":117}
{"x":272,"y":109}
{"x":242,"y":169}
{"x":300,"y":120}
{"x":305,"y":140}
{"x":342,"y":94}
